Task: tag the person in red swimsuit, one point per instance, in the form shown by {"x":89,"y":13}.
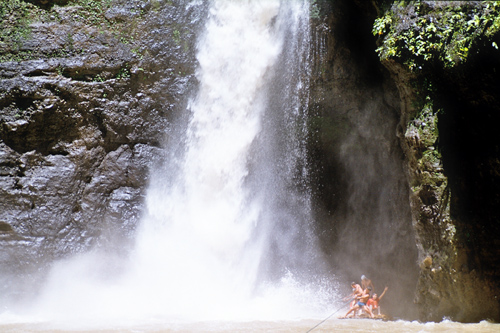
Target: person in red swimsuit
{"x":373,"y":303}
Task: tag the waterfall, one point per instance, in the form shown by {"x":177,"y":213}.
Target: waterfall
{"x":226,"y":233}
{"x":203,"y":224}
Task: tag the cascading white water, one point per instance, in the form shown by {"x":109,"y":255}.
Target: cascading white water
{"x":227,"y":222}
{"x":202,"y":226}
{"x":207,"y":234}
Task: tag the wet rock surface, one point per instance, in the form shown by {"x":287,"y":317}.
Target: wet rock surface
{"x":439,"y":111}
{"x":362,"y":191}
{"x":86,"y":99}
{"x":448,"y":111}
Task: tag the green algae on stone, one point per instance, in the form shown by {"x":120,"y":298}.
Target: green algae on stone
{"x":22,"y":22}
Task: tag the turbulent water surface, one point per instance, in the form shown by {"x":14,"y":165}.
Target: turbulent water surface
{"x":334,"y":325}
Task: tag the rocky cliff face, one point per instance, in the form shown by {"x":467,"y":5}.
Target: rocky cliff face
{"x":442,"y":59}
{"x":88,"y":91}
{"x":362,"y":191}
{"x":446,"y":72}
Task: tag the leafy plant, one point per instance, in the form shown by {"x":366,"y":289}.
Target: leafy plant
{"x":314,"y":10}
{"x":443,"y":35}
{"x":99,"y":78}
{"x":177,"y":36}
{"x":123,"y":73}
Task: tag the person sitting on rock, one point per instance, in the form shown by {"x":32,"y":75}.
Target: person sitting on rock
{"x":373,"y":303}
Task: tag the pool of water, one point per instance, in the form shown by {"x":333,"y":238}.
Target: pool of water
{"x":331,"y":325}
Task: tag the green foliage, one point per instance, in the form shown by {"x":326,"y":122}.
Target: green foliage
{"x":416,"y":34}
{"x":99,"y":78}
{"x":15,"y":19}
{"x":424,"y":128}
{"x":314,"y":10}
{"x":426,"y":123}
{"x":123,"y":73}
{"x":382,"y":24}
{"x":177,"y":36}
{"x":92,"y":11}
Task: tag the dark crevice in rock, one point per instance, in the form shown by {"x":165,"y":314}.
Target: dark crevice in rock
{"x":59,"y":90}
{"x":41,"y":131}
{"x":39,"y":72}
{"x":45,"y":4}
{"x":5,"y":228}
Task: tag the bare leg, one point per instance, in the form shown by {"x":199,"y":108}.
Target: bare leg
{"x":351,"y":310}
{"x":367,"y":309}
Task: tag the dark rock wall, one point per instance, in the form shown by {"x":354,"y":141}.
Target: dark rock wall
{"x":443,"y":58}
{"x":362,"y":192}
{"x":434,"y":108}
{"x":87,"y":96}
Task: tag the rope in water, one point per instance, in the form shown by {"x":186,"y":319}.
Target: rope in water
{"x":321,"y":322}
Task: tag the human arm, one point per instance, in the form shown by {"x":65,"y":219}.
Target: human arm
{"x":383,"y":293}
